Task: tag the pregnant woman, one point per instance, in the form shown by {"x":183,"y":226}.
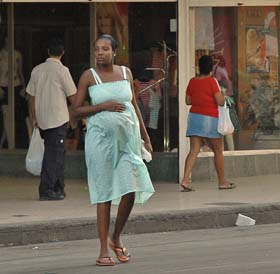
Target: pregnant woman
{"x":116,"y":171}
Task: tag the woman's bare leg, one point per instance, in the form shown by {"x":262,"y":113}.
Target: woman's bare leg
{"x":217,"y":145}
{"x":103,"y":223}
{"x":124,"y":210}
{"x":195,"y":145}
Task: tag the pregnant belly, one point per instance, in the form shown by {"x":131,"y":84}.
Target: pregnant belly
{"x":111,"y":124}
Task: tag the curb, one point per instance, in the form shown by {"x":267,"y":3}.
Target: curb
{"x":85,"y":228}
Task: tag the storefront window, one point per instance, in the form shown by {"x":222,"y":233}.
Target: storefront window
{"x":147,"y":44}
{"x":244,"y":44}
{"x":153,"y":60}
{"x":146,"y":35}
{"x":33,"y":25}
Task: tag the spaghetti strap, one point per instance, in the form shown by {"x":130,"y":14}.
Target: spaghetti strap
{"x":95,"y":76}
{"x":124,"y":72}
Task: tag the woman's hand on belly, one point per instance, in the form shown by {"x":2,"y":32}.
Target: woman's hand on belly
{"x":113,"y":106}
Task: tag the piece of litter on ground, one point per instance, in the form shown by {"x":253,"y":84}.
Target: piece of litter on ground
{"x":35,"y":248}
{"x":243,"y":220}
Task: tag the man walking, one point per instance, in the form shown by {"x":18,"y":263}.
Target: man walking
{"x":49,"y":87}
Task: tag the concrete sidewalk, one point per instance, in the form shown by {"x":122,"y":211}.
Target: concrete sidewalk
{"x":24,"y":219}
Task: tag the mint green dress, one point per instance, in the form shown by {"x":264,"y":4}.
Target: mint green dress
{"x":112,"y":147}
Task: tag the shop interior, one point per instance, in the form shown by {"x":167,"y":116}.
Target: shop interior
{"x":147,"y":44}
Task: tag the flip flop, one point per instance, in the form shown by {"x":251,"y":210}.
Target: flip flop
{"x":229,"y":186}
{"x":121,"y":252}
{"x":186,"y":188}
{"x":105,"y":261}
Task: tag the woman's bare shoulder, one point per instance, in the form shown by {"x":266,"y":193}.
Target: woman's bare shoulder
{"x":87,"y":77}
{"x":86,"y":74}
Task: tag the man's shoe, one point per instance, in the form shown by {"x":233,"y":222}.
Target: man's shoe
{"x":51,"y":196}
{"x":61,"y":192}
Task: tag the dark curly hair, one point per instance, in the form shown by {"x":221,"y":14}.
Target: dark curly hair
{"x":205,"y":64}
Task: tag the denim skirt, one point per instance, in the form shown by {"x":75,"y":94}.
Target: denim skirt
{"x":203,"y":126}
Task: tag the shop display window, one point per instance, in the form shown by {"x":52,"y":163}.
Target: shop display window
{"x":244,"y":44}
{"x":147,"y":44}
{"x":33,"y":25}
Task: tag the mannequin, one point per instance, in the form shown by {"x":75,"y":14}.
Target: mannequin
{"x":21,"y":108}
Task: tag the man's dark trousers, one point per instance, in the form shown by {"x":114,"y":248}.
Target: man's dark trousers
{"x":52,"y":174}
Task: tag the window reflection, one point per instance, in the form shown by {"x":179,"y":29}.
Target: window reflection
{"x":246,"y":59}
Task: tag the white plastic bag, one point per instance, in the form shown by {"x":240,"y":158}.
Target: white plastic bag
{"x":225,"y":126}
{"x":146,"y":155}
{"x":34,"y":157}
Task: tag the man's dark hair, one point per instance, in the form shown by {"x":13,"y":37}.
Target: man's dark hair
{"x":113,"y":41}
{"x":205,"y":64}
{"x":55,"y":46}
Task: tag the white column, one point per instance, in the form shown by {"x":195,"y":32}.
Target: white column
{"x":186,"y":69}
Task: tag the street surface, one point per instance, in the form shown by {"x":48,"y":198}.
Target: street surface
{"x":237,"y":250}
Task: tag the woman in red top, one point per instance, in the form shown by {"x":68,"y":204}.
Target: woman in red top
{"x":204,"y":94}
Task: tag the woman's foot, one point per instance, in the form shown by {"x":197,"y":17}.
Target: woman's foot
{"x":120,"y":251}
{"x":227,"y":185}
{"x":105,"y":261}
{"x":185,"y":186}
